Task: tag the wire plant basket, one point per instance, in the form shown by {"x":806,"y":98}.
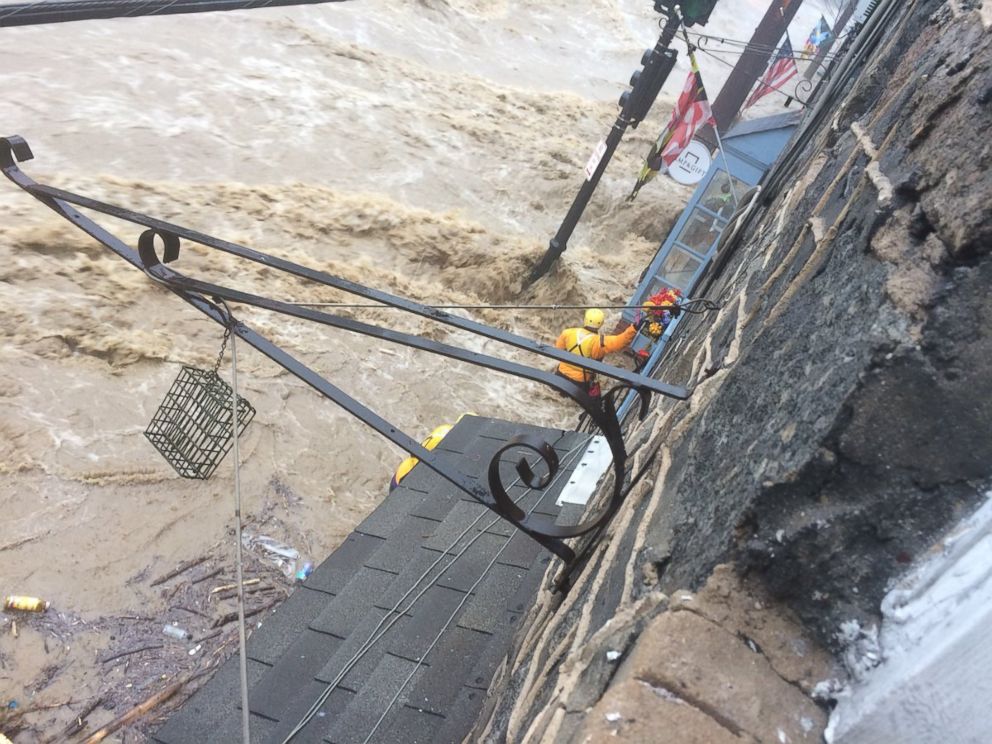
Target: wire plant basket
{"x":192,"y":428}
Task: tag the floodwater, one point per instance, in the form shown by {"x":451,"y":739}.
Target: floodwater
{"x":426,"y":148}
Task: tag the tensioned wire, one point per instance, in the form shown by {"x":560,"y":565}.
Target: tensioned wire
{"x":437,"y":637}
{"x":430,"y":648}
{"x":454,"y":613}
{"x":685,"y":305}
{"x":396,"y":615}
{"x":772,"y":90}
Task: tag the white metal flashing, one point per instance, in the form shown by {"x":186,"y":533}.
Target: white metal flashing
{"x":590,"y":469}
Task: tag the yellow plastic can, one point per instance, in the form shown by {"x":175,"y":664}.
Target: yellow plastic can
{"x":24,"y":604}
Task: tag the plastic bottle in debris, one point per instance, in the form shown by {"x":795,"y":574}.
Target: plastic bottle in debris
{"x":304,"y":572}
{"x":283,"y":556}
{"x":174,"y":631}
{"x":24,"y":604}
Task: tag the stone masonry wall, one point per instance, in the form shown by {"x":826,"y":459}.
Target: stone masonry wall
{"x":841,"y":419}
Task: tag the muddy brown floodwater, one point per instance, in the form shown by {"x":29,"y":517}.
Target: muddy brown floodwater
{"x":426,"y":148}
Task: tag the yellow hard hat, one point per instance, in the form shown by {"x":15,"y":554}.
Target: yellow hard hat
{"x":594,"y":318}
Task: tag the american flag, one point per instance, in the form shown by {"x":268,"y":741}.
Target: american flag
{"x":691,"y":111}
{"x":781,"y":69}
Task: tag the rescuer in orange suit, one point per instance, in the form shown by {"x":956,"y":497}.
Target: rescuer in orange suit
{"x":590,"y":342}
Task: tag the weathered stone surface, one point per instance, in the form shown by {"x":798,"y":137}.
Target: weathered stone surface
{"x":716,"y":672}
{"x":650,"y":714}
{"x":845,"y":420}
{"x":750,"y":614}
{"x":841,"y":406}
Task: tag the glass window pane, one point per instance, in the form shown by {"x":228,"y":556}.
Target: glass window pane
{"x":701,"y":231}
{"x":718,"y":197}
{"x":679,"y":268}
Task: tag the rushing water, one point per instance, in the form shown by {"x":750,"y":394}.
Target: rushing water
{"x":427,"y":148}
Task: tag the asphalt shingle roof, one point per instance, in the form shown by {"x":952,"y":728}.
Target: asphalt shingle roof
{"x":429,"y":687}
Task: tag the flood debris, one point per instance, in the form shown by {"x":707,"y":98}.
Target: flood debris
{"x":143,"y":676}
{"x":284,"y":557}
{"x":181,"y":568}
{"x":137,"y":711}
{"x":174,"y":631}
{"x":15,"y":602}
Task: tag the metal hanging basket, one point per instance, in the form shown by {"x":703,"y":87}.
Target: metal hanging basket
{"x":192,"y":428}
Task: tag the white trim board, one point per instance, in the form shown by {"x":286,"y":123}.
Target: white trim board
{"x":587,"y":473}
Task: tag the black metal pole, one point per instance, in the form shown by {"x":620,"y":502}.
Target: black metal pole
{"x":559,"y":242}
{"x":753,"y":61}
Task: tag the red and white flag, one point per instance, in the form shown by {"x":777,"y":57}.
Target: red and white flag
{"x":780,"y":70}
{"x":691,"y":111}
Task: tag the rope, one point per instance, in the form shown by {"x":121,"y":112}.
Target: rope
{"x":396,"y":613}
{"x":242,"y":652}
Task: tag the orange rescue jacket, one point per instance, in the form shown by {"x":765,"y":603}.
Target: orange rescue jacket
{"x":591,"y":345}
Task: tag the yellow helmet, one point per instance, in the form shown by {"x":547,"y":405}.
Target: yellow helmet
{"x":594,"y":318}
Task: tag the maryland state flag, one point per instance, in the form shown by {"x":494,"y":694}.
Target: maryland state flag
{"x":692,"y":111}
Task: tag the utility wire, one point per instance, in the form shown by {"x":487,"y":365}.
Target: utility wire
{"x":773,"y":90}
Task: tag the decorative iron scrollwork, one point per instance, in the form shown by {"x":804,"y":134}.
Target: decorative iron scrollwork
{"x":209,"y":297}
{"x":804,"y":91}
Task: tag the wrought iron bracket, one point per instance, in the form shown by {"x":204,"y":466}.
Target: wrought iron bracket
{"x":209,"y":298}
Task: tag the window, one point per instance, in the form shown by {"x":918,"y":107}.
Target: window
{"x":718,"y":197}
{"x":679,"y":268}
{"x":701,"y":231}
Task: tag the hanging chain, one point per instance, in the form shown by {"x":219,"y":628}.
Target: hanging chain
{"x":223,"y":346}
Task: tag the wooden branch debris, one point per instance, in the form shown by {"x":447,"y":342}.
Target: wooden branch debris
{"x":232,"y":616}
{"x":208,"y":636}
{"x":225,"y":587}
{"x":150,"y":647}
{"x":136,"y":712}
{"x":185,"y":566}
{"x":77,"y":724}
{"x":229,"y":593}
{"x":209,"y":575}
{"x":190,"y":610}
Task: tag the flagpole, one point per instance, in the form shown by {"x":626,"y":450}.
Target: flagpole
{"x":730,"y":176}
{"x":719,"y":143}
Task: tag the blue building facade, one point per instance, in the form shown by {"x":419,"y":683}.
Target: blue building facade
{"x":750,"y":148}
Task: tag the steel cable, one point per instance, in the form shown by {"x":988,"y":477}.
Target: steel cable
{"x":451,"y":618}
{"x":395,"y":614}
